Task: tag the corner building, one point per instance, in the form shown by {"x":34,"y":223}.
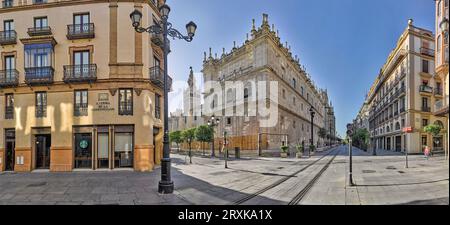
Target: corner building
{"x":79,"y":88}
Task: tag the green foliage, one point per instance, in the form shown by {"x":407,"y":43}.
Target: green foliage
{"x":312,"y":148}
{"x":360,"y":138}
{"x":433,"y":129}
{"x":322,"y":133}
{"x":189,"y":135}
{"x":204,"y":133}
{"x":176,"y":137}
{"x":284,"y":148}
{"x":300,"y":148}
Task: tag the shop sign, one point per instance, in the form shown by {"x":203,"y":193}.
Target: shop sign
{"x":103,"y":103}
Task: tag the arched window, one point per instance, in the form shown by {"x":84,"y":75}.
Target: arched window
{"x":294,"y":83}
{"x":397,"y":126}
{"x":214,"y":102}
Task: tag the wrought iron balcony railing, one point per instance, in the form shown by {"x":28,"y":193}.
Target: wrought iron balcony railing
{"x":438,"y":91}
{"x":9,"y":112}
{"x":8,"y":37}
{"x":38,"y":31}
{"x":426,"y":89}
{"x":80,"y":31}
{"x":41,"y":111}
{"x":7,"y":3}
{"x":9,"y":78}
{"x":125,"y":109}
{"x":39,"y":2}
{"x":80,"y":73}
{"x":39,"y":75}
{"x":80,"y":109}
{"x":157,"y":77}
{"x":427,"y":51}
{"x":426,"y":109}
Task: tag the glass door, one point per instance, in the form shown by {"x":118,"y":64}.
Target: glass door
{"x":9,"y":28}
{"x":123,"y":150}
{"x":42,"y":146}
{"x":83,"y":151}
{"x":10,"y":67}
{"x":103,"y":151}
{"x":81,"y":62}
{"x":81,"y":22}
{"x":10,"y":137}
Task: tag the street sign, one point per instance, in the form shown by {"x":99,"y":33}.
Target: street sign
{"x":408,"y":130}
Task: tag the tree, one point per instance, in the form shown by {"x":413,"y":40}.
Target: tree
{"x":189,"y":137}
{"x":177,"y":138}
{"x":433,"y":129}
{"x":361,"y":138}
{"x":204,"y":134}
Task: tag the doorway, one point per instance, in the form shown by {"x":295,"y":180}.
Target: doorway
{"x":398,"y":143}
{"x":42,"y":146}
{"x":388,"y":144}
{"x":10,"y":140}
{"x":83,"y":151}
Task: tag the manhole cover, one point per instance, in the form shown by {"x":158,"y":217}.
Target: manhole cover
{"x":37,"y":184}
{"x":401,"y":171}
{"x":369,"y":171}
{"x":391,"y":168}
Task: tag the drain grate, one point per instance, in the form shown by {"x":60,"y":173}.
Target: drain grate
{"x":40,"y":184}
{"x":391,"y":168}
{"x":369,"y":171}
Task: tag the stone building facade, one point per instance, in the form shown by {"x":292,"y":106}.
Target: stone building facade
{"x":403,"y":96}
{"x":263,"y":57}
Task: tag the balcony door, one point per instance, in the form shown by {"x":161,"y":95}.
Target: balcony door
{"x":10,"y":67}
{"x":81,"y":23}
{"x":81,"y":62}
{"x":8,"y":26}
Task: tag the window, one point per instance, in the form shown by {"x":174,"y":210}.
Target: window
{"x":301,"y":90}
{"x":424,"y":102}
{"x":425,"y":64}
{"x":126,"y":102}
{"x":123,"y":150}
{"x":9,"y":106}
{"x":284,"y":93}
{"x":293,"y":101}
{"x":81,"y":61}
{"x":228,"y":120}
{"x":81,"y":103}
{"x":157,"y":106}
{"x":8,"y":25}
{"x":424,"y":122}
{"x":294,"y":83}
{"x":10,"y":69}
{"x":40,"y":22}
{"x":41,"y":104}
{"x":157,"y":62}
{"x":246,"y":93}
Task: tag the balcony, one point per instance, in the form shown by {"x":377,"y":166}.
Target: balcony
{"x":9,"y":112}
{"x":157,"y":77}
{"x":80,"y":109}
{"x":426,"y":109}
{"x":39,"y":75}
{"x":426,"y":89}
{"x":80,"y":73}
{"x":9,"y":78}
{"x":441,"y":109}
{"x":41,"y":111}
{"x":36,"y":2}
{"x":402,"y":110}
{"x":80,"y":31}
{"x":427,"y":52}
{"x":438,"y":92}
{"x":8,"y":37}
{"x":39,"y":31}
{"x":7,"y":3}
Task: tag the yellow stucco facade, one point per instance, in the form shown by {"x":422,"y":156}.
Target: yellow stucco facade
{"x":77,"y":92}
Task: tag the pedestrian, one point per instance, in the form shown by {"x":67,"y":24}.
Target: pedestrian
{"x":427,"y":152}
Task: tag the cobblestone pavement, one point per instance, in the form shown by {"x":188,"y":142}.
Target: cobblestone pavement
{"x":380,"y":180}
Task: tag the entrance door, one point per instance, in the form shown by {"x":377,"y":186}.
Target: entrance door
{"x":388,"y":143}
{"x":103,"y":150}
{"x":83,"y":151}
{"x":398,"y":143}
{"x":42,"y":146}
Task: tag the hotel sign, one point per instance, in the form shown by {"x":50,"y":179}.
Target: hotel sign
{"x":103,"y":103}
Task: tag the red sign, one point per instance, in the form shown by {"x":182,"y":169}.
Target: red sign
{"x":408,"y":129}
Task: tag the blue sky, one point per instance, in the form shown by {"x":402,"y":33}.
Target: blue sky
{"x":342,"y":43}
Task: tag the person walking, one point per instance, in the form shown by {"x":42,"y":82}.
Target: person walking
{"x":427,"y":152}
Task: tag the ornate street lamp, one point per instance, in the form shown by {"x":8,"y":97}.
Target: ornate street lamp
{"x":166,"y":185}
{"x":213,"y":122}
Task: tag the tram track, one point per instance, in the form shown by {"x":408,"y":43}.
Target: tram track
{"x":284,"y":179}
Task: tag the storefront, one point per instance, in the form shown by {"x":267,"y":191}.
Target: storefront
{"x":103,"y":147}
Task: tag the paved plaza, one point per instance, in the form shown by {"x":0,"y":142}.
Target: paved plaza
{"x":379,"y":179}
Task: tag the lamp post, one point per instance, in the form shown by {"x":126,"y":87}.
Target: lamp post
{"x":350,"y":154}
{"x":166,"y":185}
{"x":312,"y":113}
{"x":213,"y":122}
